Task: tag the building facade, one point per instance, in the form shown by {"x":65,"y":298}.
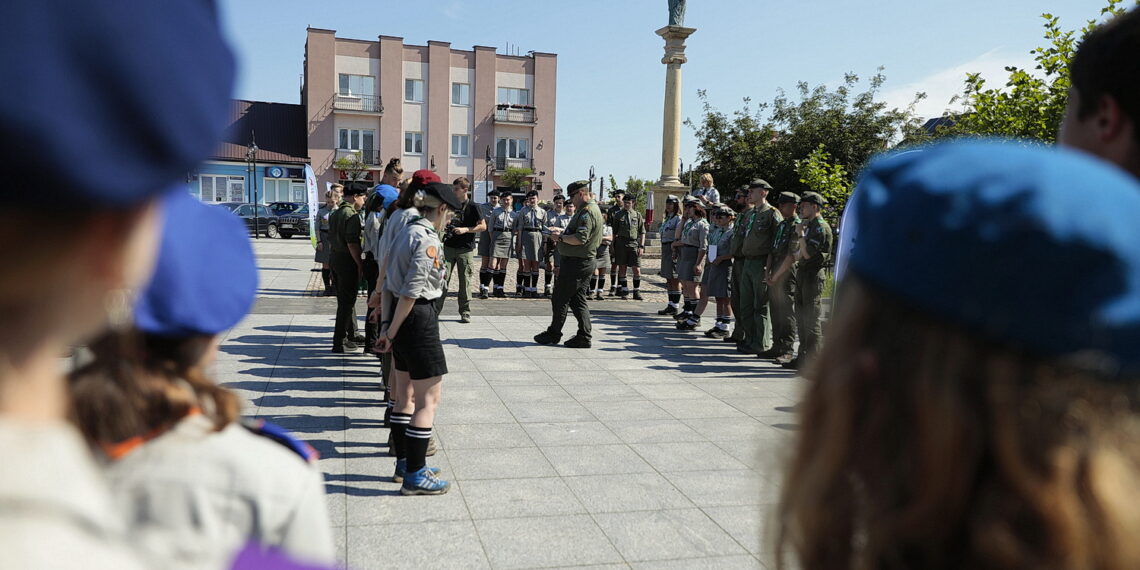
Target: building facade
{"x":275,"y":172}
{"x":461,"y":113}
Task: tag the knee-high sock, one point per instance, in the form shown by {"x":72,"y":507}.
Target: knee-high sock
{"x":548,"y":275}
{"x":636,"y":284}
{"x":500,"y":277}
{"x":417,"y":442}
{"x":602,"y":282}
{"x":399,"y":434}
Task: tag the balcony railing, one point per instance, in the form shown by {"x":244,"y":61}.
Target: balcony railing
{"x":503,"y":162}
{"x":369,"y":157}
{"x":358,"y":103}
{"x":514,"y":114}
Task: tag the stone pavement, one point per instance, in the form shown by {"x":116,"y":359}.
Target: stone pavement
{"x":654,"y":449}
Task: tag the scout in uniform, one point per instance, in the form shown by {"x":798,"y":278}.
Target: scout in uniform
{"x":758,"y":236}
{"x":617,"y":194}
{"x":668,"y":230}
{"x":691,"y":248}
{"x":718,"y":272}
{"x":530,"y":221}
{"x":707,"y":193}
{"x":781,"y":280}
{"x":501,"y":224}
{"x":556,"y":218}
{"x":743,"y":207}
{"x":94,"y":243}
{"x":576,"y":245}
{"x":190,"y":477}
{"x":977,"y":404}
{"x":486,"y":246}
{"x":347,"y":265}
{"x":415,"y":276}
{"x":629,"y":244}
{"x":813,"y":254}
{"x":602,"y":262}
{"x":332,"y":199}
{"x":459,"y":247}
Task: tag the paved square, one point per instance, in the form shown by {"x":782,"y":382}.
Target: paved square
{"x":654,"y":449}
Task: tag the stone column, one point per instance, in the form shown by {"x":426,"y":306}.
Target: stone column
{"x":670,"y":183}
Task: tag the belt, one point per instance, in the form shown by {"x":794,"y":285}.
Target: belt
{"x":501,"y":229}
{"x":422,"y":301}
{"x":692,"y":246}
{"x":532,"y":229}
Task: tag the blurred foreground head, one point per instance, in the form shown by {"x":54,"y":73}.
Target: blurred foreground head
{"x":110,"y":105}
{"x":975,"y":404}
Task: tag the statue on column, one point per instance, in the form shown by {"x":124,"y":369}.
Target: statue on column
{"x":676,"y":12}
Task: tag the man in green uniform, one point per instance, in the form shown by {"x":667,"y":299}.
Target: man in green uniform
{"x":781,"y":280}
{"x":346,"y":263}
{"x":813,"y":254}
{"x":744,"y":208}
{"x":617,"y":194}
{"x":629,"y":244}
{"x":759,"y":234}
{"x":576,"y":246}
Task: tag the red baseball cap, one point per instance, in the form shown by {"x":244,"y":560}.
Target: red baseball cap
{"x":424,"y":177}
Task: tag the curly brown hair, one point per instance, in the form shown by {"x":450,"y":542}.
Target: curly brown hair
{"x":923,"y":446}
{"x":139,"y":384}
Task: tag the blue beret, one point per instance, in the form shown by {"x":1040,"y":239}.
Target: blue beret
{"x":388,"y":193}
{"x":1036,"y":248}
{"x":119,"y":98}
{"x":205,"y":278}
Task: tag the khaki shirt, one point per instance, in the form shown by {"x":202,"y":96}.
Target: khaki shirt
{"x":695,"y":232}
{"x":530,"y":218}
{"x":586,"y":224}
{"x":195,"y":496}
{"x":344,"y":228}
{"x":784,"y":234}
{"x":817,"y":242}
{"x":628,"y":225}
{"x":669,"y":228}
{"x":415,"y":266}
{"x":55,"y":510}
{"x":760,"y":231}
{"x":393,"y":227}
{"x":739,"y":230}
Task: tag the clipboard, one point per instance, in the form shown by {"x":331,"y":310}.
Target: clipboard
{"x":712,"y":252}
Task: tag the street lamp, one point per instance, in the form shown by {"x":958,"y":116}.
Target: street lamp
{"x":488,"y":176}
{"x":251,"y":163}
{"x":432,"y":166}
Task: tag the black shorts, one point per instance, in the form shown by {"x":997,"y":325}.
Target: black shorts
{"x":416,"y":349}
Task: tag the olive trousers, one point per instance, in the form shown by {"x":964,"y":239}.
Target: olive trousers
{"x":809,"y":307}
{"x":753,"y":316}
{"x":570,"y":292}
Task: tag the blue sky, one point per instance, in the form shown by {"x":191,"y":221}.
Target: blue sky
{"x":611,"y":81}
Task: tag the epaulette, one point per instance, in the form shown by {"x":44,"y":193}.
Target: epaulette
{"x":281,"y":435}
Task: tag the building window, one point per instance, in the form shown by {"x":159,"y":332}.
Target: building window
{"x":512,"y":148}
{"x":460,"y":145}
{"x":513,"y":96}
{"x":357,"y":85}
{"x":283,"y":190}
{"x":357,"y":139}
{"x":413,"y":143}
{"x":461,"y":94}
{"x":414,"y":90}
{"x":221,"y":188}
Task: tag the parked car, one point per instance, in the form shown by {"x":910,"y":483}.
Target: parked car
{"x":293,"y":218}
{"x":255,"y":216}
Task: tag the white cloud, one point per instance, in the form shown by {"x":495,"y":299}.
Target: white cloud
{"x":940,"y":86}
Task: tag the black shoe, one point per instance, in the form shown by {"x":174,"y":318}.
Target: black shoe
{"x":546,"y":293}
{"x":793,"y":364}
{"x":637,"y":296}
{"x":358,"y":338}
{"x":350,"y":345}
{"x":500,"y":294}
{"x":547,"y":337}
{"x":730,"y":339}
{"x":482,"y":294}
{"x":330,"y":292}
{"x":716,"y":333}
{"x":338,"y":349}
{"x":577,"y":342}
{"x":670,"y":310}
{"x":599,"y":297}
{"x":682,"y":316}
{"x":788,"y":357}
{"x":689,"y":324}
{"x":770,"y":353}
{"x":745,"y":349}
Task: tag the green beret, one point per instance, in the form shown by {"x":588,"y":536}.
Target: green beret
{"x":575,"y":186}
{"x":759,"y":183}
{"x":813,"y":198}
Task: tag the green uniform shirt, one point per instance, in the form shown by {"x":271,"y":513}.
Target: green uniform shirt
{"x":743,"y":222}
{"x":344,"y":228}
{"x":586,"y":225}
{"x":817,"y":245}
{"x":628,"y":224}
{"x":760,"y":231}
{"x":783,"y":244}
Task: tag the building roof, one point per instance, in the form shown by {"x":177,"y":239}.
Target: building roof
{"x":279,"y":129}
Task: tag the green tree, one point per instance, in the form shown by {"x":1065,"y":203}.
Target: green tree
{"x":851,"y":125}
{"x":829,"y":179}
{"x":516,"y":177}
{"x":352,"y":167}
{"x":1030,"y":105}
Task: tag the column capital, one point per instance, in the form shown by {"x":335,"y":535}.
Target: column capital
{"x":675,"y":43}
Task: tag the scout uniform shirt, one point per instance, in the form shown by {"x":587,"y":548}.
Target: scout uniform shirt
{"x":669,"y":228}
{"x":393,"y":226}
{"x":501,"y":220}
{"x":722,"y":239}
{"x":696,"y":233}
{"x":782,"y":246}
{"x":628,"y":225}
{"x":344,"y":228}
{"x":738,"y":231}
{"x":816,"y":246}
{"x":586,"y":225}
{"x":415,"y":263}
{"x":194,"y":496}
{"x":760,"y":231}
{"x":530,"y":218}
{"x":556,"y":220}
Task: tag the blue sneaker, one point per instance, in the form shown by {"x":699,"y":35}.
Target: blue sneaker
{"x":423,"y":482}
{"x":402,"y":469}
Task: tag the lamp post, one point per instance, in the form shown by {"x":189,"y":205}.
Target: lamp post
{"x":489,"y":173}
{"x":251,"y":162}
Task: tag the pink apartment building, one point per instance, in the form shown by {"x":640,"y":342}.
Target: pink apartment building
{"x":461,"y":113}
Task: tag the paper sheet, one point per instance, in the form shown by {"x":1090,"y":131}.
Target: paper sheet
{"x":712,"y":253}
